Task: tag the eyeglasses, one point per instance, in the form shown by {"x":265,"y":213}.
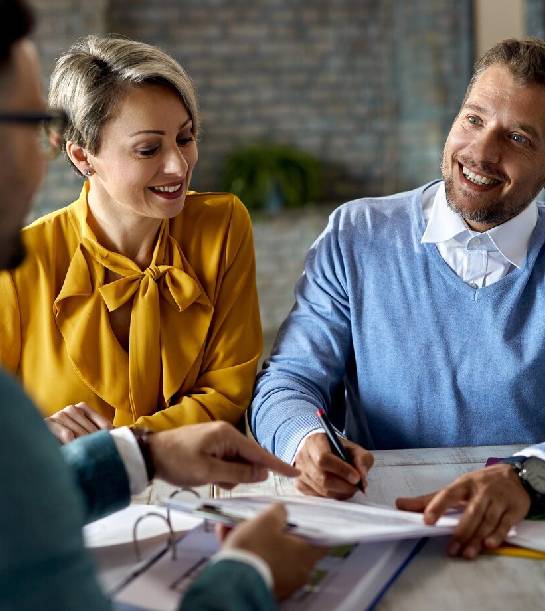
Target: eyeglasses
{"x":53,"y":124}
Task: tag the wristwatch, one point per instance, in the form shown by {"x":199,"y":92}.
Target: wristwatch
{"x":531,"y":471}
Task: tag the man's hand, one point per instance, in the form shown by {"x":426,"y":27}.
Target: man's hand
{"x":214,"y":452}
{"x":75,"y":421}
{"x":289,"y":557}
{"x":324,"y":474}
{"x":494,"y":500}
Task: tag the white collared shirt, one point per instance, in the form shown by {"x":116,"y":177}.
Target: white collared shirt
{"x":479,"y":259}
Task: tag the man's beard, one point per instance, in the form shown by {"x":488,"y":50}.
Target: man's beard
{"x":16,"y":253}
{"x":495,"y":212}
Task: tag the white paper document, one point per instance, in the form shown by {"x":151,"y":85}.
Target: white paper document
{"x":117,"y":528}
{"x":325,"y":521}
{"x":528,"y":533}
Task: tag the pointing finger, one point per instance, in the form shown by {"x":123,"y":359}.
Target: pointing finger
{"x":253,"y":453}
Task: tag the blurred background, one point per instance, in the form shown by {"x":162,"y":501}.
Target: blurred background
{"x":305,"y":103}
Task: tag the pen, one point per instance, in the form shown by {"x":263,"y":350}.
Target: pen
{"x":336,"y":446}
{"x":217,"y":514}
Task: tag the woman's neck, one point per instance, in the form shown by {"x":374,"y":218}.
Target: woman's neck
{"x":128,"y":234}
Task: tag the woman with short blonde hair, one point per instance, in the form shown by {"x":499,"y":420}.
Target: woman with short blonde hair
{"x":137,"y":303}
{"x":90,"y":80}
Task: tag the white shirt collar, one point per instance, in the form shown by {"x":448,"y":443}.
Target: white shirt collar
{"x":443,"y":223}
{"x":510,"y":238}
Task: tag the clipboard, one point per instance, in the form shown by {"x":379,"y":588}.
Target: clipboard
{"x":351,"y":576}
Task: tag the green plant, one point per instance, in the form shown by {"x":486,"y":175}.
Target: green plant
{"x":270,"y":176}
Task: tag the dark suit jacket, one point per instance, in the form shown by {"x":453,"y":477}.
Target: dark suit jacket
{"x":45,"y":502}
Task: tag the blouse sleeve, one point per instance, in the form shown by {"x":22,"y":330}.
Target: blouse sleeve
{"x":224,"y":386}
{"x":10,"y":324}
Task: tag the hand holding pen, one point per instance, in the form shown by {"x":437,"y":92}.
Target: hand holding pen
{"x":331,"y":468}
{"x":336,"y":445}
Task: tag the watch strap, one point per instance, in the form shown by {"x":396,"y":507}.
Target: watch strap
{"x":142,"y":436}
{"x":513,"y":460}
{"x":537,"y":500}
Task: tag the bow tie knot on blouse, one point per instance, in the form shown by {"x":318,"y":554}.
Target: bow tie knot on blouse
{"x":158,"y":296}
{"x":155,"y":272}
{"x":176,"y":286}
{"x":150,"y":335}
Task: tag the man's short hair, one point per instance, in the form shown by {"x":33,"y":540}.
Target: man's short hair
{"x":16,"y":22}
{"x":525,"y":59}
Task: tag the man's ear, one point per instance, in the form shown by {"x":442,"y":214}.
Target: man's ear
{"x":79,"y":157}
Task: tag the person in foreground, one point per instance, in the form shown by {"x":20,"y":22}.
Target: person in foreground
{"x":43,"y":563}
{"x":494,"y":499}
{"x":139,"y":298}
{"x":426,"y":307}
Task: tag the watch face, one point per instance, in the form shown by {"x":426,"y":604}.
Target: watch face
{"x":533,"y":471}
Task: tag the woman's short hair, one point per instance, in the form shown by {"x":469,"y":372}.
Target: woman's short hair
{"x":93,"y":76}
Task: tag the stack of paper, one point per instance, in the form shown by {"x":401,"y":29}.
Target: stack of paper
{"x":323,"y":521}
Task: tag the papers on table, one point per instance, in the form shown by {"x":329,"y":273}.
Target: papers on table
{"x":528,"y":533}
{"x":324,"y":521}
{"x":409,"y":472}
{"x":415,"y":471}
{"x":117,"y":528}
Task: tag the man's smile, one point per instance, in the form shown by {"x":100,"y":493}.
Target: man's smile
{"x":478,"y":179}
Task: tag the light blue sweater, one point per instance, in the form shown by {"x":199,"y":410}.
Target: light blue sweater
{"x":427,"y":360}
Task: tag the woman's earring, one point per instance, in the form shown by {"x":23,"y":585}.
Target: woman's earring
{"x":88,"y":172}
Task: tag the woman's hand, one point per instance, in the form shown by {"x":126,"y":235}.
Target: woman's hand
{"x":75,"y":421}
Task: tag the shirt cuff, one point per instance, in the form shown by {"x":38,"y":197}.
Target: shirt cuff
{"x":128,"y":449}
{"x":248,"y":558}
{"x":303,"y":441}
{"x":532,"y":451}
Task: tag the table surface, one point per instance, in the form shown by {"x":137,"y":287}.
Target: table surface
{"x":432,"y":580}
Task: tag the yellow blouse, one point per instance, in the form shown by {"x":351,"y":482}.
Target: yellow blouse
{"x":195,"y":334}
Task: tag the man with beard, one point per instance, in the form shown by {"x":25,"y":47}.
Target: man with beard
{"x":43,"y":563}
{"x":427,"y":307}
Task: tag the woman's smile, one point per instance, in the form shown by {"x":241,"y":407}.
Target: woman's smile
{"x":172,"y":191}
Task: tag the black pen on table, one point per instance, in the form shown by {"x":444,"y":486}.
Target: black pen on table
{"x":336,"y":446}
